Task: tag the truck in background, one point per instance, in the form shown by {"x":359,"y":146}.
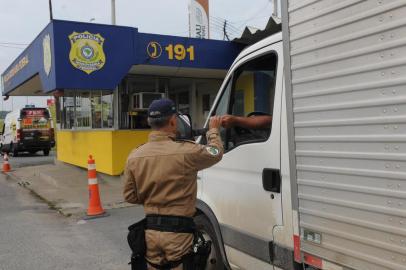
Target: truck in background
{"x":29,"y":129}
{"x":325,"y":185}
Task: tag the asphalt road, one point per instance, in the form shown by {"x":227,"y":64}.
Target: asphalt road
{"x":26,"y":159}
{"x":34,"y":237}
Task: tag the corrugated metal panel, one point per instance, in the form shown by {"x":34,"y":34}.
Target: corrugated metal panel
{"x":348,"y":64}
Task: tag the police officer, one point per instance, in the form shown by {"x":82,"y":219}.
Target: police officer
{"x":161,"y":175}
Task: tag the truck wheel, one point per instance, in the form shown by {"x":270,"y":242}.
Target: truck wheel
{"x":46,"y":152}
{"x":214,"y":261}
{"x":14,"y":150}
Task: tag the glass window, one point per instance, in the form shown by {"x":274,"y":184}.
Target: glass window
{"x":87,"y":109}
{"x":83,"y":109}
{"x":183,"y":102}
{"x":68,"y":110}
{"x":96,"y":109}
{"x":222,"y":107}
{"x":248,"y":102}
{"x":107,"y":110}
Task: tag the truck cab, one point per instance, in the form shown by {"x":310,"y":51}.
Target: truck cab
{"x":247,"y":194}
{"x":324,"y":186}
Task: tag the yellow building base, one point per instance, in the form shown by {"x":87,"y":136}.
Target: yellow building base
{"x":110,"y":148}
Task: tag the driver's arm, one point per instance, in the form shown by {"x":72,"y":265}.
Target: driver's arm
{"x":253,"y":122}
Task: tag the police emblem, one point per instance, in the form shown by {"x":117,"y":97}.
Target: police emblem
{"x":86,"y":52}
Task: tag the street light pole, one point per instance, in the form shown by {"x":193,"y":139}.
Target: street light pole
{"x":113,"y":12}
{"x":51,"y":17}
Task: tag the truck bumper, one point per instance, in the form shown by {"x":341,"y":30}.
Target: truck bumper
{"x":26,"y":145}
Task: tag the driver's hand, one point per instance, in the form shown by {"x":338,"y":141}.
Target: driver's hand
{"x":215,"y":122}
{"x":228,"y":121}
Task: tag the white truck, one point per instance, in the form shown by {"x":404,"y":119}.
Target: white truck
{"x":325,"y":186}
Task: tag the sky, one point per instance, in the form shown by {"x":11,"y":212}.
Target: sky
{"x":22,"y":20}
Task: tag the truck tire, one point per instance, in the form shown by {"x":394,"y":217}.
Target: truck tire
{"x":215,"y":261}
{"x":46,"y":152}
{"x":13,"y":150}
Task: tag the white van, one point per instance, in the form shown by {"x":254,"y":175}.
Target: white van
{"x":324,"y":185}
{"x":29,"y":129}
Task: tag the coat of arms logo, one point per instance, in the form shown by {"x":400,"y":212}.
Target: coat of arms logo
{"x":86,"y":52}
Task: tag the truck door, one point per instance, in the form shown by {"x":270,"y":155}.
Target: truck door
{"x":243,"y":189}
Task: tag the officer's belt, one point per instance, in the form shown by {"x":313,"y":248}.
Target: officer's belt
{"x":164,"y":223}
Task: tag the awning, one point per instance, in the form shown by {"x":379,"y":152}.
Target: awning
{"x":73,"y":55}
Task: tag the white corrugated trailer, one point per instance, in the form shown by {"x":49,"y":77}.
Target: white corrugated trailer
{"x":345,"y":74}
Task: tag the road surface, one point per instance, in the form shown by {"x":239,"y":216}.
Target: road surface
{"x":26,"y":159}
{"x":34,"y":237}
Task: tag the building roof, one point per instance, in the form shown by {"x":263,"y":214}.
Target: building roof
{"x":74,"y":55}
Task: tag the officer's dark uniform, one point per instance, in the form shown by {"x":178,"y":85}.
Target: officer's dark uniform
{"x":161,"y":175}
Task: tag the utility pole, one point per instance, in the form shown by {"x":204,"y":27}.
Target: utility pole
{"x":51,"y":16}
{"x":113,"y":12}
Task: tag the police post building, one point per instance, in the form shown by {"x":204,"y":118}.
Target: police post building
{"x":104,"y":78}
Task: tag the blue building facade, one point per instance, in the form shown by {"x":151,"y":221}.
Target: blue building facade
{"x":103,"y":78}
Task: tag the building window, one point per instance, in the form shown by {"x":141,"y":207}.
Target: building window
{"x":96,"y":110}
{"x":107,"y":110}
{"x":83,"y":110}
{"x":68,"y":111}
{"x":87,"y":109}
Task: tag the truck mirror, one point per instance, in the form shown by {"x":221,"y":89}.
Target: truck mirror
{"x":184,"y":127}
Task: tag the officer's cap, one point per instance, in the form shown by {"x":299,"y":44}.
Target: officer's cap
{"x":161,"y":108}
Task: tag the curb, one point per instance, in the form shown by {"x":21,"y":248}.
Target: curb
{"x":78,"y":212}
{"x":26,"y":184}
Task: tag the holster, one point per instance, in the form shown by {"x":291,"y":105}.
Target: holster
{"x":196,"y":260}
{"x":136,"y":241}
{"x":201,"y":251}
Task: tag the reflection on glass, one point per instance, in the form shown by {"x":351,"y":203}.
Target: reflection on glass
{"x":96,"y":110}
{"x":83,"y":110}
{"x":87,"y":109}
{"x":107,"y":111}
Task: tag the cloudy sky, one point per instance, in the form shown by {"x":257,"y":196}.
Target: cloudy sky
{"x":22,"y":20}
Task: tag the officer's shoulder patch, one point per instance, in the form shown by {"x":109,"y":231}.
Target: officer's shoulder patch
{"x":212,"y":150}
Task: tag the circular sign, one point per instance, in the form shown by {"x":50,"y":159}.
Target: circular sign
{"x":154,"y":49}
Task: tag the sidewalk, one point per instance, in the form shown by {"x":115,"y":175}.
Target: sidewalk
{"x":64,"y":187}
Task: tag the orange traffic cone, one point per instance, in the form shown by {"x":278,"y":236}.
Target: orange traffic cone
{"x":95,"y":209}
{"x":6,"y":165}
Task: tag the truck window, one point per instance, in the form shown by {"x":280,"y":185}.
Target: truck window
{"x":247,"y":102}
{"x":222,"y":109}
{"x":35,"y":118}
